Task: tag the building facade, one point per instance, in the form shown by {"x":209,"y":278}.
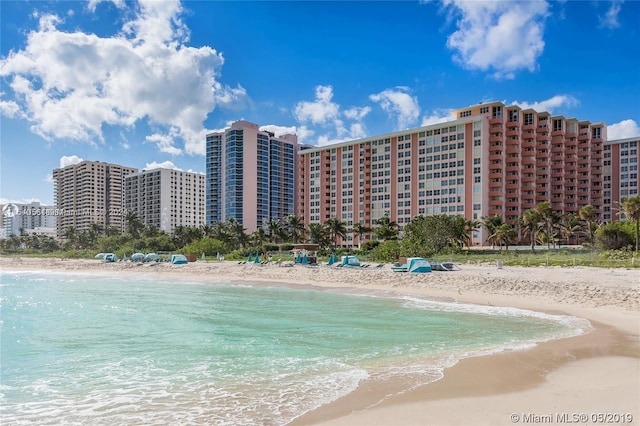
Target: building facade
{"x":166,"y":198}
{"x":32,"y":218}
{"x":90,"y":192}
{"x":493,"y":159}
{"x":250,"y":175}
{"x":620,"y":175}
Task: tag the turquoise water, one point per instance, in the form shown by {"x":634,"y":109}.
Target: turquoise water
{"x":79,"y":349}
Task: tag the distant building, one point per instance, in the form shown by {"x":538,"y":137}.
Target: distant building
{"x":32,"y":218}
{"x":166,"y":198}
{"x":492,"y":159}
{"x":90,"y":192}
{"x":620,"y":175}
{"x":250,"y":175}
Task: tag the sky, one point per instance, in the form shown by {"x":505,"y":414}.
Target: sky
{"x":141,"y":83}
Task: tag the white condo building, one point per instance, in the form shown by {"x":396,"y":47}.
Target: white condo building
{"x":32,"y":218}
{"x":166,"y":198}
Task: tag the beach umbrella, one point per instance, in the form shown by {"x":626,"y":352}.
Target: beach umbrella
{"x":305,"y":260}
{"x":332,"y":260}
{"x":250,"y":258}
{"x":257,"y":258}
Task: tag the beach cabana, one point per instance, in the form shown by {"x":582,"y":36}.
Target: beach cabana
{"x":418,"y":265}
{"x":151,"y":257}
{"x":178,"y":259}
{"x":99,"y":256}
{"x":257,"y":260}
{"x":110,"y":257}
{"x":137,"y":257}
{"x":250,"y":257}
{"x":332,"y":259}
{"x":352,"y":261}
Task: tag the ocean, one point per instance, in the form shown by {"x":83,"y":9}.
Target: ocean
{"x":106,"y":350}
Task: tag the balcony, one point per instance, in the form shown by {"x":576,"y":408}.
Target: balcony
{"x":495,"y":175}
{"x":528,"y":161}
{"x":495,"y":120}
{"x":513,"y":132}
{"x":526,"y":178}
{"x":557,"y":133}
{"x":512,"y":169}
{"x":512,"y":186}
{"x":542,"y":138}
{"x":528,"y":144}
{"x":495,"y":138}
{"x":497,"y":156}
{"x":512,"y":204}
{"x":541,"y":163}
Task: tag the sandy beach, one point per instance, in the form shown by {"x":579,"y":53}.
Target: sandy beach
{"x":590,"y":379}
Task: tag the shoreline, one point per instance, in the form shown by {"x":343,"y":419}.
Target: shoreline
{"x":560,"y":376}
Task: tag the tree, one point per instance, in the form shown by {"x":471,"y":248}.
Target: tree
{"x":428,"y":235}
{"x":359,"y":230}
{"x":588,"y":214}
{"x":71,"y":236}
{"x":506,"y":234}
{"x":549,"y":220}
{"x":491,"y":225}
{"x":134,"y":224}
{"x":386,"y":229}
{"x":631,"y":209}
{"x":470,"y":226}
{"x":336,"y":228}
{"x":296,"y":227}
{"x":319,"y":234}
{"x":531,"y":224}
{"x":571,"y":227}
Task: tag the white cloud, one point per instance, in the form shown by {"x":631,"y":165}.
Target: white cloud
{"x":622,"y":130}
{"x":279,"y":130}
{"x":610,"y":18}
{"x":71,"y":84}
{"x":319,"y":111}
{"x":399,"y":104}
{"x":49,"y":178}
{"x":501,"y":37}
{"x":333,"y":124}
{"x":164,"y":165}
{"x":165,"y":142}
{"x":69,"y":160}
{"x":437,"y":117}
{"x":93,"y":3}
{"x":549,"y":105}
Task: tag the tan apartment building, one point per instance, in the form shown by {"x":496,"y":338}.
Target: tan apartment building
{"x":90,"y":192}
{"x":493,"y":159}
{"x":166,"y":198}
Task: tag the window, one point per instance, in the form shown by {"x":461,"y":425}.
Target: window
{"x":484,"y":110}
{"x":528,"y":118}
{"x":513,"y":115}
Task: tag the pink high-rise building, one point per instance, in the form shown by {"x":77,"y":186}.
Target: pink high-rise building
{"x":492,"y":159}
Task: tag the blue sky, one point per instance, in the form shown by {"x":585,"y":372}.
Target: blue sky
{"x":141,"y":83}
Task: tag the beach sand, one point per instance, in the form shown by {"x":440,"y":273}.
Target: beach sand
{"x":596,"y":375}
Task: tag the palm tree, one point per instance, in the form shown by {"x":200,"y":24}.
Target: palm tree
{"x":134,"y":224}
{"x":631,"y":209}
{"x":550,"y":220}
{"x":470,"y":226}
{"x":588,"y":214}
{"x":71,"y":235}
{"x":530,"y":224}
{"x":319,"y":234}
{"x":360,"y":230}
{"x":336,"y":228}
{"x":238,"y":237}
{"x":258,"y":237}
{"x":505,"y":234}
{"x":296,"y":228}
{"x":491,"y":225}
{"x":387,"y":229}
{"x":275,"y":228}
{"x":571,"y":227}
